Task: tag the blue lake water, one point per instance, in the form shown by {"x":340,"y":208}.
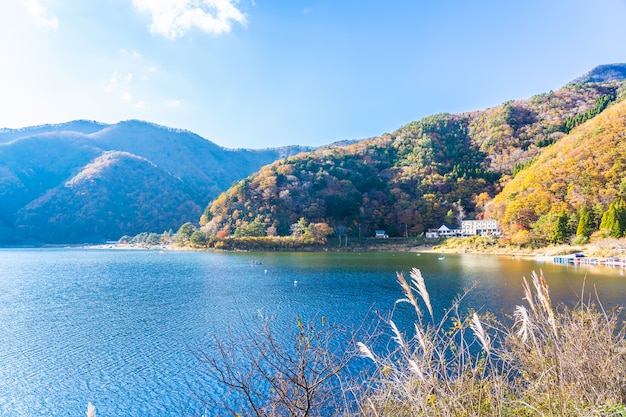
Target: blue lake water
{"x":120,"y":329}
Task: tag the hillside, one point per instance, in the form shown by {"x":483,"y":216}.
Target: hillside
{"x":438,"y":169}
{"x":583,"y":172}
{"x":132,"y":192}
{"x":154,"y":179}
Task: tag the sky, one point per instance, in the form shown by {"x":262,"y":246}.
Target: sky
{"x":266,"y":73}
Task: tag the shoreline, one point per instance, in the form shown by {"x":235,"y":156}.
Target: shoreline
{"x":588,"y":250}
{"x":602,"y":249}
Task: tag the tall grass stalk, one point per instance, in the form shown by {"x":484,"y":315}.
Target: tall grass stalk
{"x":548,"y":362}
{"x":91,"y":410}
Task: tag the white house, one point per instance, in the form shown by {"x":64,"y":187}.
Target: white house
{"x":487,"y":227}
{"x":443,"y":231}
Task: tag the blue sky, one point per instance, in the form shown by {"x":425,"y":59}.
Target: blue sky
{"x":261,"y":73}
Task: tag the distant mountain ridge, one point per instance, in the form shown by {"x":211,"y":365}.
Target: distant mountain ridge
{"x":604,"y":73}
{"x":79,"y":126}
{"x":39,"y":166}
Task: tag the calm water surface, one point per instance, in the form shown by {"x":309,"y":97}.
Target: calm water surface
{"x":120,"y":328}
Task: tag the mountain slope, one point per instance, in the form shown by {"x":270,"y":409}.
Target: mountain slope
{"x":584,"y":169}
{"x":37,"y":162}
{"x":435,"y":170}
{"x":132,"y":192}
{"x":30,"y":166}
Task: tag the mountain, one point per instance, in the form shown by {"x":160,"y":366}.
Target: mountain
{"x":131,"y":191}
{"x":604,"y":73}
{"x":141,"y":177}
{"x":435,"y":170}
{"x":585,"y":170}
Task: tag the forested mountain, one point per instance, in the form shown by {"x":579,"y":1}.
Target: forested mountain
{"x":438,"y":169}
{"x":579,"y":176}
{"x":85,"y":181}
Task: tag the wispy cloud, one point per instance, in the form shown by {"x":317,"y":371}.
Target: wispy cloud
{"x":40,"y":14}
{"x":174,"y":18}
{"x":118,"y":79}
{"x":130,"y":54}
{"x":172,"y":103}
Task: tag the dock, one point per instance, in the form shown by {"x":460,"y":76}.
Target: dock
{"x":580,"y":259}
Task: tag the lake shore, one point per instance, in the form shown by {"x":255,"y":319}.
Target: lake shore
{"x":606,"y":248}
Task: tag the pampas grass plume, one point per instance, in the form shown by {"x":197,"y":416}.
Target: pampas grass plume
{"x":91,"y":410}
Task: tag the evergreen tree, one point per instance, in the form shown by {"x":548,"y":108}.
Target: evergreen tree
{"x":585,"y":227}
{"x":297,"y":229}
{"x":614,"y":219}
{"x":560,"y":229}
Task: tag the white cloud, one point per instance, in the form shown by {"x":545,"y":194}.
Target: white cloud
{"x":118,"y":79}
{"x":174,"y":18}
{"x":131,"y":54}
{"x":40,"y":15}
{"x":172,"y":103}
{"x":126,"y":96}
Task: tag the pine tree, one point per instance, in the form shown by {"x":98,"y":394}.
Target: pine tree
{"x":584,"y":228}
{"x":614,"y":219}
{"x":560,"y":229}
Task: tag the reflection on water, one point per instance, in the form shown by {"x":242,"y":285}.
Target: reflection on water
{"x":118,"y":328}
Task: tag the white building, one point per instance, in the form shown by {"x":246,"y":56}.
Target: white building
{"x":443,"y":231}
{"x":480,"y":227}
{"x":446,"y":230}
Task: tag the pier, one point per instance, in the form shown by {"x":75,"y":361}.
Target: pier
{"x":580,"y":259}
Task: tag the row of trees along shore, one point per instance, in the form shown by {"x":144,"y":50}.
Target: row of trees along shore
{"x":577,"y":228}
{"x":256,"y":235}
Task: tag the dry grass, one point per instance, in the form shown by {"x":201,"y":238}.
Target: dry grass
{"x":550,"y":362}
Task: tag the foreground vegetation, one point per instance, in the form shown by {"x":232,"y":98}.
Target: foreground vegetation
{"x":541,"y":361}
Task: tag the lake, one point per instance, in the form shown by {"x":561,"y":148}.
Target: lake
{"x":120,"y":328}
